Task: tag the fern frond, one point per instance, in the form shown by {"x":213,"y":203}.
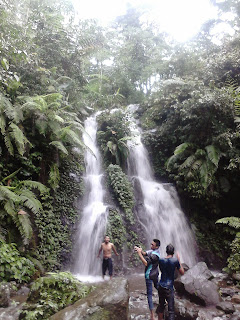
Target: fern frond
{"x":29,"y":200}
{"x":8,"y":144}
{"x":182,"y":147}
{"x":19,"y":138}
{"x":188,"y":162}
{"x":52,"y":97}
{"x":54,"y":176}
{"x":170,"y":161}
{"x":59,"y":145}
{"x":25,"y":227}
{"x":214,"y":154}
{"x":233,"y":222}
{"x":58,"y":118}
{"x":9,"y":207}
{"x":2,"y":125}
{"x":11,"y":175}
{"x":35,"y":185}
{"x":8,"y":194}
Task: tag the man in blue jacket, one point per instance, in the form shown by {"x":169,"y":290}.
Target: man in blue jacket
{"x":150,"y":259}
{"x":167,"y":267}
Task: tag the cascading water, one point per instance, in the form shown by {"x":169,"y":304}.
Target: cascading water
{"x":93,"y":221}
{"x":158,"y":209}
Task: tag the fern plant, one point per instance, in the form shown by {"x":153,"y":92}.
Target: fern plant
{"x":234,"y":258}
{"x":52,"y":293}
{"x":17,"y":201}
{"x":195,"y":165}
{"x":10,"y":128}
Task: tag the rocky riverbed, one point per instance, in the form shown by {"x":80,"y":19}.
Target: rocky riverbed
{"x":201,"y":294}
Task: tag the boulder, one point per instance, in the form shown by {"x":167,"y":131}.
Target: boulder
{"x":236,"y":276}
{"x":230,"y":291}
{"x":235,"y":316}
{"x":226,"y":306}
{"x":109,"y":301}
{"x":196,"y":285}
{"x":4,"y":295}
{"x":236,"y":298}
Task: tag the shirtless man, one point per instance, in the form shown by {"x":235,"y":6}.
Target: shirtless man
{"x":107,"y":248}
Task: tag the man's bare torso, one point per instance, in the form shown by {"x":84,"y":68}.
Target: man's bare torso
{"x":107,"y":249}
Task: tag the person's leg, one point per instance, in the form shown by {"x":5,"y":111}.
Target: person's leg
{"x":161,"y":306}
{"x":104,"y":267}
{"x":170,"y":300}
{"x":110,"y":268}
{"x":149,"y":284}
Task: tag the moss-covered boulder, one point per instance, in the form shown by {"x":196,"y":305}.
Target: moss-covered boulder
{"x":109,"y":301}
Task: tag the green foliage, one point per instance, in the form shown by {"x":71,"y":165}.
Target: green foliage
{"x":13,"y":266}
{"x":56,"y":220}
{"x":50,"y":294}
{"x":17,"y":201}
{"x":122,"y":189}
{"x":112,"y":136}
{"x":116,"y":229}
{"x":234,"y":258}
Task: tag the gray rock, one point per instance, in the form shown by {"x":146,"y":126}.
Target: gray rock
{"x":236,"y":298}
{"x":10,"y":313}
{"x":200,"y":270}
{"x":235,"y":316}
{"x":4,"y":295}
{"x":195,"y":283}
{"x":236,"y":276}
{"x":227,"y":291}
{"x":109,"y":301}
{"x":185,"y":309}
{"x":24,"y":291}
{"x":226,"y":306}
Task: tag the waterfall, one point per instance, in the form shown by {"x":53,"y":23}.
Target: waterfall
{"x":158,"y":209}
{"x":92,"y":225}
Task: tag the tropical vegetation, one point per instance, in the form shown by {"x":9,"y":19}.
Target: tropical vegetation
{"x":56,"y":70}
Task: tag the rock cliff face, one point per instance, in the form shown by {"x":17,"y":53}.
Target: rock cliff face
{"x":109,"y":301}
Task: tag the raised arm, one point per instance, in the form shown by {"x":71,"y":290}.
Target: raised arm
{"x":139,"y":251}
{"x":181,"y":270}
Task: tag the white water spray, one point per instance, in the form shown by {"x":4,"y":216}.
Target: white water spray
{"x":158,"y":209}
{"x":93,"y":221}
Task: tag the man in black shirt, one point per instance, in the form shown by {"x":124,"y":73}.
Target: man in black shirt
{"x":165,"y":287}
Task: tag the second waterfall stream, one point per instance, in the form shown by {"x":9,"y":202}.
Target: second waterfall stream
{"x":157,"y":207}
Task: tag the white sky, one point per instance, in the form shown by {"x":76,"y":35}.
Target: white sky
{"x":182,"y":19}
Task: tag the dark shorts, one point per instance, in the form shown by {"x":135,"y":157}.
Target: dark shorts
{"x":107,"y":265}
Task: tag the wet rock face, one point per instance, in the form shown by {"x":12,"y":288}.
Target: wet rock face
{"x":109,"y":301}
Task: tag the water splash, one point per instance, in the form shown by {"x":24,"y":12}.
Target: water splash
{"x":158,"y":209}
{"x":93,"y":221}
